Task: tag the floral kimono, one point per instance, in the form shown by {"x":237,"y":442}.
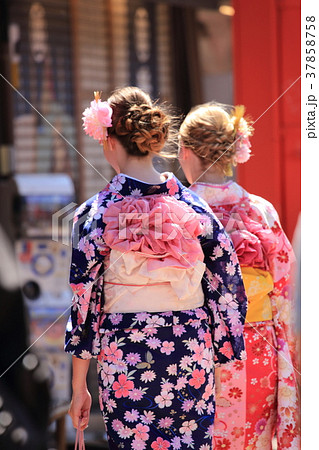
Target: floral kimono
{"x":159,"y":300}
{"x":259,"y":396}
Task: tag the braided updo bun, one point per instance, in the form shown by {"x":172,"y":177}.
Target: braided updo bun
{"x":210,"y":131}
{"x":141,"y":126}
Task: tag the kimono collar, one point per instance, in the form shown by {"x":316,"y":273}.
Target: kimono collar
{"x":216,"y":194}
{"x":123,"y":185}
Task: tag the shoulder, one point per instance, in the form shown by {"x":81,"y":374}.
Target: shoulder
{"x":192,"y":199}
{"x":92,"y":209}
{"x":199,"y":205}
{"x":265,"y":208}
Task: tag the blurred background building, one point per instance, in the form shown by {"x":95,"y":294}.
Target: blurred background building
{"x":55,"y":53}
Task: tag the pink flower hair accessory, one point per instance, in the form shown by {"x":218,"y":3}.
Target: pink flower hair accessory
{"x":97,"y":118}
{"x":242,"y":144}
{"x":242,"y":133}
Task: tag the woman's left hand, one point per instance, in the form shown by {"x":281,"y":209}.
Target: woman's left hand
{"x":80,"y":407}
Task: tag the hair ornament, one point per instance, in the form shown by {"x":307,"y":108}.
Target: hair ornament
{"x":242,"y":133}
{"x":97,"y":118}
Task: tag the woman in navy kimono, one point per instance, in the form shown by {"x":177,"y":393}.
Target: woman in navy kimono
{"x":158,"y":293}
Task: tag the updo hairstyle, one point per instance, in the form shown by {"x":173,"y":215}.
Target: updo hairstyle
{"x":209,"y":130}
{"x":140,"y":125}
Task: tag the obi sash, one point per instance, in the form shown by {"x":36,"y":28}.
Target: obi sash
{"x":131,"y":284}
{"x":258,"y":284}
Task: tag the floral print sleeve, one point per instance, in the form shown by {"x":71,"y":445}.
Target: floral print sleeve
{"x":225,"y":293}
{"x":222,"y":285}
{"x":282,"y":300}
{"x":281,"y":261}
{"x":86,"y":278}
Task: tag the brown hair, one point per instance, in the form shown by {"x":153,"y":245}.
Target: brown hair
{"x":139,"y":124}
{"x":209,"y":130}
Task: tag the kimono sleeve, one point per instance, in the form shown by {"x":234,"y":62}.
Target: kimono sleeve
{"x":282,"y":265}
{"x":224,"y":295}
{"x":86,"y":280}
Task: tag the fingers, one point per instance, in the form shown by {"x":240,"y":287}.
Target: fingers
{"x":84,"y":420}
{"x":80,"y":422}
{"x":74,"y":416}
{"x":80,"y":409}
{"x":80,"y":418}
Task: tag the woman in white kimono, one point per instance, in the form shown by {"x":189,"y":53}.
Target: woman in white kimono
{"x":258,"y":396}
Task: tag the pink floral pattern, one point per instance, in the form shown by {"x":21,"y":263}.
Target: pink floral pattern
{"x":155,"y":366}
{"x":143,"y":395}
{"x":249,"y":412}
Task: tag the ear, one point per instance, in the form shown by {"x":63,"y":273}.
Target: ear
{"x":108,"y":146}
{"x":105,"y":144}
{"x":184,"y":152}
{"x":110,"y":143}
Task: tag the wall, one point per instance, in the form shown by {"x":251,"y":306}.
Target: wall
{"x":40,"y":59}
{"x":266,"y":41}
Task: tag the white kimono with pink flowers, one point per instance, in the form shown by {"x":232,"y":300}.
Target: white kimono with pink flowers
{"x":259,"y":396}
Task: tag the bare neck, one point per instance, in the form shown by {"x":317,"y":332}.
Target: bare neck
{"x":142,"y":169}
{"x":212,"y":177}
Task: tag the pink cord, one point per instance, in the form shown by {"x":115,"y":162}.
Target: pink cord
{"x":79,"y":439}
{"x":137,"y":285}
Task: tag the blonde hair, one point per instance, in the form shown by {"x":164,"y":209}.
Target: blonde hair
{"x":209,"y":130}
{"x":139,"y":124}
